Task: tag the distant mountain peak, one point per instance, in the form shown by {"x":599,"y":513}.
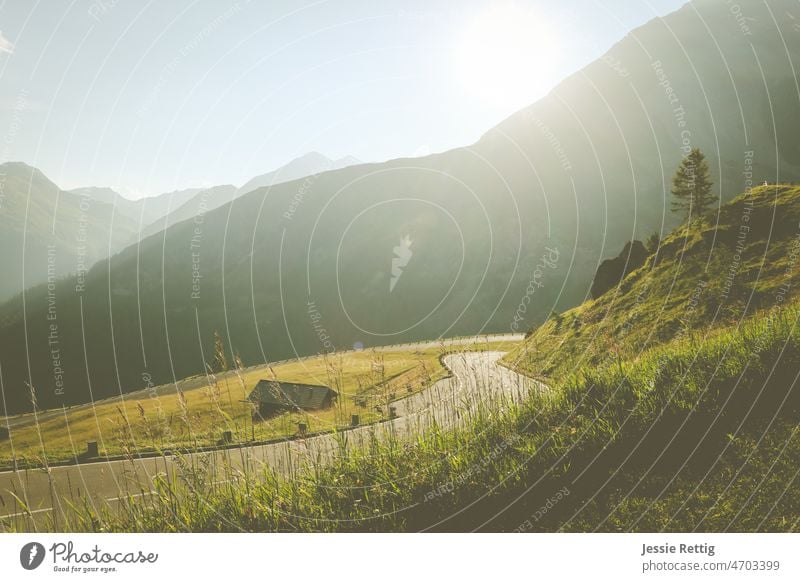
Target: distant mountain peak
{"x":38,"y":181}
{"x":313,"y":155}
{"x":306,"y":165}
{"x":14,"y":164}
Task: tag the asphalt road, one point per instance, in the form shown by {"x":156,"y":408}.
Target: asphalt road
{"x":477,"y":381}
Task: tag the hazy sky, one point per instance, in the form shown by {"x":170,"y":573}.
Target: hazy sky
{"x":152,"y":96}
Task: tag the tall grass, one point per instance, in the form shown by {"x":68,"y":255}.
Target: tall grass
{"x":683,"y":437}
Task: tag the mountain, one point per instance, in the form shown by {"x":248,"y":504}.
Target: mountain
{"x":132,"y":218}
{"x":307,"y":165}
{"x":490,"y":237}
{"x":144,"y":210}
{"x":47,"y":233}
{"x":197,"y":205}
{"x":211,"y":198}
{"x":108,"y":196}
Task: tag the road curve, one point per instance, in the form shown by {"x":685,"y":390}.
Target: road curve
{"x":477,"y":380}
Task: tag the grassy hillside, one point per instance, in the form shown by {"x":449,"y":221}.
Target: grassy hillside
{"x":712,"y":274}
{"x":684,"y":419}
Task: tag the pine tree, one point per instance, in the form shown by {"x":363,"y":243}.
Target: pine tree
{"x":691,"y":186}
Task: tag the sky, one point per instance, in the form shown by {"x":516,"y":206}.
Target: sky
{"x":150,"y":97}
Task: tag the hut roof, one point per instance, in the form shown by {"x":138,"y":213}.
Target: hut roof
{"x":291,"y":394}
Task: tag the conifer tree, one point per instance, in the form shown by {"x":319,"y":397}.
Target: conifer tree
{"x":691,"y":186}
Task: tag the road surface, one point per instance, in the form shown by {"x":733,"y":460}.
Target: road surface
{"x":478,"y":380}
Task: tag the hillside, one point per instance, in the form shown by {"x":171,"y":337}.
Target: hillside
{"x":47,"y":233}
{"x":305,"y":266}
{"x":706,"y":276}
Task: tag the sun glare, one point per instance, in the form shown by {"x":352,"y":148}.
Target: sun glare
{"x":506,"y":56}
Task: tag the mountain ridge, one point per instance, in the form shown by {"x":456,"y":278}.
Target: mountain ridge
{"x":211,"y":198}
{"x":48,"y":233}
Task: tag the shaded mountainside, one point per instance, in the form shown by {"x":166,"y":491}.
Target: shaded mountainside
{"x":64,"y":231}
{"x":47,"y":233}
{"x":247,"y":268}
{"x":305,"y":266}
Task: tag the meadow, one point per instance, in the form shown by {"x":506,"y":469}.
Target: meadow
{"x":195,"y":412}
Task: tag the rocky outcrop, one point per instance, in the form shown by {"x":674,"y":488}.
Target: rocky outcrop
{"x":612,"y":271}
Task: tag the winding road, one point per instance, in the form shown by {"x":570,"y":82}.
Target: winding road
{"x":477,"y":380}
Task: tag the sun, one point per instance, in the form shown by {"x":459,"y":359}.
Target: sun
{"x":506,"y":56}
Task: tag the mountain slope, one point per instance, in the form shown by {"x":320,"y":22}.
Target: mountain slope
{"x":198,"y":204}
{"x":47,"y":233}
{"x":490,"y":237}
{"x":211,"y":198}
